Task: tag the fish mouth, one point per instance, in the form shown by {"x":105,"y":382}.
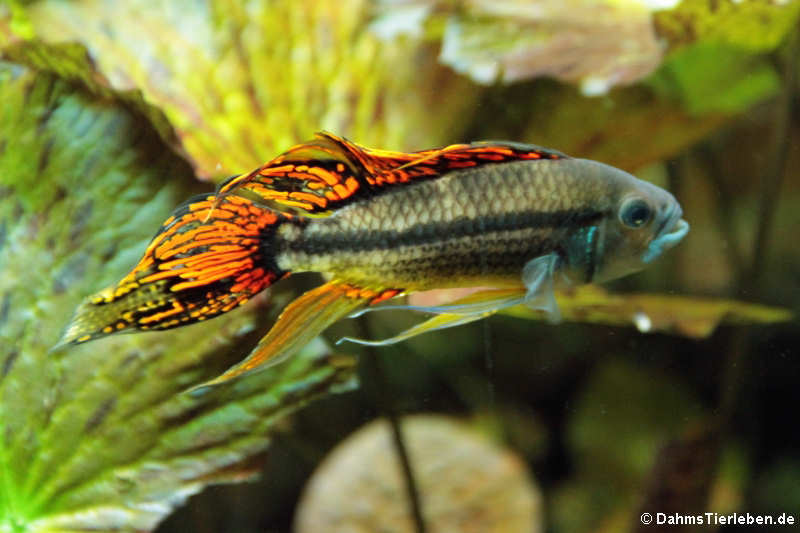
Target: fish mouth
{"x":671,"y":232}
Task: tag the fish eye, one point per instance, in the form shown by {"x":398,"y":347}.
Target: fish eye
{"x":635,"y":213}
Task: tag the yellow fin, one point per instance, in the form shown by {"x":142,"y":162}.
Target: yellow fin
{"x":463,"y":311}
{"x":298,"y":324}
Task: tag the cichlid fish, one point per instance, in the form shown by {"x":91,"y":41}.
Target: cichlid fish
{"x":518,"y":217}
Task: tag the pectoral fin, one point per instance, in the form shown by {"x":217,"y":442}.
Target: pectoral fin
{"x":538,"y":275}
{"x":298,"y":324}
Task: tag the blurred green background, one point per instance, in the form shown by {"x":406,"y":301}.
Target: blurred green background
{"x":112,"y":113}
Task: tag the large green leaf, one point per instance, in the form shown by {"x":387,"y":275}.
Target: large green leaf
{"x":709,"y":77}
{"x":751,"y":25}
{"x":71,"y":62}
{"x":693,"y":317}
{"x":241,"y":81}
{"x":100,"y":437}
{"x":689,"y":316}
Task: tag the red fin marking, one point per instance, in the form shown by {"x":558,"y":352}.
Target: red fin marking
{"x":319,"y":176}
{"x":385,"y":295}
{"x":204,"y":261}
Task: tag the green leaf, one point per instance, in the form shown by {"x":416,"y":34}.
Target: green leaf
{"x":71,"y":62}
{"x":688,"y":316}
{"x":100,"y":437}
{"x":680,"y":315}
{"x":709,"y":77}
{"x":243,"y":81}
{"x":750,"y":25}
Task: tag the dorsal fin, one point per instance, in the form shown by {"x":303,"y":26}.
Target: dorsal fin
{"x":319,"y":176}
{"x":309,"y":178}
{"x":434,"y":163}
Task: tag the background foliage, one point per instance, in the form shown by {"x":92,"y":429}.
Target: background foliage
{"x":109,"y":112}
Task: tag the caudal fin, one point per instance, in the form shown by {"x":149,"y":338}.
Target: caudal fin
{"x":209,"y":257}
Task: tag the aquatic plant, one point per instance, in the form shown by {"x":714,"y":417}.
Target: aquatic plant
{"x":110,"y":113}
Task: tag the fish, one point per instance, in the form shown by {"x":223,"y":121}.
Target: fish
{"x":517,"y":218}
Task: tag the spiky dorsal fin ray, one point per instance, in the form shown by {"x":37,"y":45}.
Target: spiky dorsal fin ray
{"x":322,"y":175}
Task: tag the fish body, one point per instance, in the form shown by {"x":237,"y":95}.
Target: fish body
{"x":476,"y":226}
{"x":378,"y":224}
{"x":471,"y":227}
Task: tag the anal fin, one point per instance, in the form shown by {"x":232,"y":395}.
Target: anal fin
{"x":302,"y":320}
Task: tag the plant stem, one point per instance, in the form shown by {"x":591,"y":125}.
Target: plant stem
{"x":777,"y":165}
{"x":773,"y":177}
{"x":372,"y":369}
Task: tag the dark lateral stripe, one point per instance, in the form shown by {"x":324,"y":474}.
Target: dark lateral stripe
{"x":434,"y":232}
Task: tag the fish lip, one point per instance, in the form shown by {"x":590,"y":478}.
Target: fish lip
{"x":675,"y":213}
{"x":672,"y":230}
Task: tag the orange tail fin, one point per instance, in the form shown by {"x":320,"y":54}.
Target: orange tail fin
{"x":209,"y":257}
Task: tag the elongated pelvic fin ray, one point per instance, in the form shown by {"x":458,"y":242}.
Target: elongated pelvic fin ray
{"x":301,"y":321}
{"x":441,"y":321}
{"x":538,"y":277}
{"x":463,"y":308}
{"x":462,"y":311}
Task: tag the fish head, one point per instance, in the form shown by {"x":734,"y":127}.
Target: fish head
{"x":642,"y":221}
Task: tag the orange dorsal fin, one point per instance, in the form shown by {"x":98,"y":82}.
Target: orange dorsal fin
{"x":435,"y":163}
{"x":320,"y":176}
{"x":311,"y":178}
